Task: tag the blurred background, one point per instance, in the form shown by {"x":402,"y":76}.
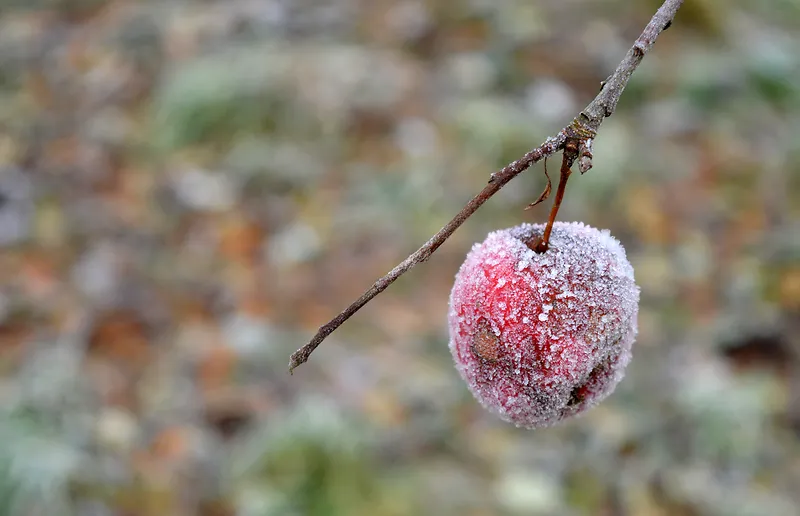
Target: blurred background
{"x":188,"y":189}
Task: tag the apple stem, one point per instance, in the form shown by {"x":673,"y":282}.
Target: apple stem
{"x":569,"y":155}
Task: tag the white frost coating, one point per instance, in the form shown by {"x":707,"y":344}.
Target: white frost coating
{"x":563,"y":321}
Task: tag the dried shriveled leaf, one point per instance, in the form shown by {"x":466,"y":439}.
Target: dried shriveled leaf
{"x":547,"y":189}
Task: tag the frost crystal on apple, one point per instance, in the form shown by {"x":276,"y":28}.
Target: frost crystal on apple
{"x":539,"y":337}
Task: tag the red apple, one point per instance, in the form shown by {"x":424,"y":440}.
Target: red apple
{"x":540,"y":337}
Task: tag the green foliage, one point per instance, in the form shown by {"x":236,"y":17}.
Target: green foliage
{"x":495,"y":129}
{"x":215,"y":98}
{"x":313,"y":461}
{"x":36,"y":465}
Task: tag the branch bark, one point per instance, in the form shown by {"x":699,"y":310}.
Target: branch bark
{"x":582,"y":131}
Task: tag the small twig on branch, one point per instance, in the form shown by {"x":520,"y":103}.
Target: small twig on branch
{"x":581,"y":131}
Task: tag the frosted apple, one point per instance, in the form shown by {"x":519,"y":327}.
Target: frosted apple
{"x":539,"y":337}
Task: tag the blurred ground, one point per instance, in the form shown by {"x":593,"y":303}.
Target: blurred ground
{"x":189,"y":188}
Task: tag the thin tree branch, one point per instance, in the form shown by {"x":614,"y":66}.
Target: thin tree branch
{"x":582,"y":131}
